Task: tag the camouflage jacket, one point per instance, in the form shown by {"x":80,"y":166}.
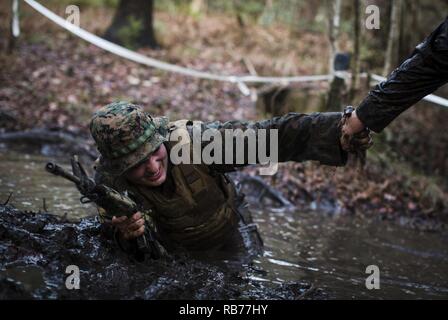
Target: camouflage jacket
{"x":419,"y":75}
{"x":300,"y":137}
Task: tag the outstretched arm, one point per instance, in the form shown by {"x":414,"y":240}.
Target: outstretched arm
{"x":421,"y":74}
{"x":299,"y":137}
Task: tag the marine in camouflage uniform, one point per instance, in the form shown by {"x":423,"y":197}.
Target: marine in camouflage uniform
{"x":197,"y":208}
{"x":425,"y":70}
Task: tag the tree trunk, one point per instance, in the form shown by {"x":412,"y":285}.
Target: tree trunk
{"x":337,"y":95}
{"x":408,"y":33}
{"x":337,"y":86}
{"x":334,"y":12}
{"x":132,"y":25}
{"x":198,"y":7}
{"x":268,"y":15}
{"x":356,"y":55}
{"x":394,"y":36}
{"x":14,"y":26}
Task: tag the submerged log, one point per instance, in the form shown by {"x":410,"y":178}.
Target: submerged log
{"x":262,"y":191}
{"x":66,"y":141}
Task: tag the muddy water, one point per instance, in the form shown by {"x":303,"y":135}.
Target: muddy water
{"x":330,"y":253}
{"x":23,"y":174}
{"x":334,"y":252}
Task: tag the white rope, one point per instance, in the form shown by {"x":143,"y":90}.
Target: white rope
{"x":430,"y":97}
{"x":139,"y":58}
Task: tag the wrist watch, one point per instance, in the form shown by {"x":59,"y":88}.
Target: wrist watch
{"x":348,"y":110}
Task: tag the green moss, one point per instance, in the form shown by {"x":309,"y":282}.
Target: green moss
{"x":128,"y":34}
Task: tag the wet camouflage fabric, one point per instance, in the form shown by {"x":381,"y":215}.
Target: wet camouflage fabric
{"x":301,"y":137}
{"x":421,"y":74}
{"x":125,"y":134}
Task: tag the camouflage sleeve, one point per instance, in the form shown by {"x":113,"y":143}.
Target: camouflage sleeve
{"x":421,"y":74}
{"x":300,"y":137}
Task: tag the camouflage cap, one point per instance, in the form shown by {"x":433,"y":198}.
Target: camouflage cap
{"x":125,"y":135}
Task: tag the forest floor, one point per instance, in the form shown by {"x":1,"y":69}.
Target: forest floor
{"x":55,"y":80}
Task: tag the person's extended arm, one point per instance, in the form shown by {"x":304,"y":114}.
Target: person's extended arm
{"x":300,"y":137}
{"x":421,"y":74}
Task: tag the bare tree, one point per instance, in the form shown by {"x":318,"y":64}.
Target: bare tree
{"x":132,"y":25}
{"x":14,"y":26}
{"x":409,"y":36}
{"x":334,"y":17}
{"x":394,"y":36}
{"x":198,"y":6}
{"x":356,"y":43}
{"x":337,"y":86}
{"x":268,"y":15}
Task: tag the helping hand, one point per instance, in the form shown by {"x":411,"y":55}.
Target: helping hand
{"x":352,"y":124}
{"x":355,"y":137}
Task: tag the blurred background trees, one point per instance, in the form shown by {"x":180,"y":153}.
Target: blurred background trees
{"x":132,"y":25}
{"x":403,"y":23}
{"x":62,"y":78}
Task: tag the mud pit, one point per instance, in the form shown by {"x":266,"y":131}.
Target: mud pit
{"x":36,"y":248}
{"x":308,"y":255}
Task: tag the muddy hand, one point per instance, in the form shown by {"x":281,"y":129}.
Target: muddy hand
{"x":131,"y":227}
{"x":355,"y":137}
{"x":352,"y":124}
{"x":361,"y":141}
{"x":357,"y":142}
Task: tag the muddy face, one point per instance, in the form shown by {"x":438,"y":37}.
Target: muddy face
{"x":152,"y":172}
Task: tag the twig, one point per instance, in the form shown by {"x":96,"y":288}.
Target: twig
{"x":7,"y":200}
{"x":306,"y":292}
{"x":250,"y":66}
{"x":44,"y":205}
